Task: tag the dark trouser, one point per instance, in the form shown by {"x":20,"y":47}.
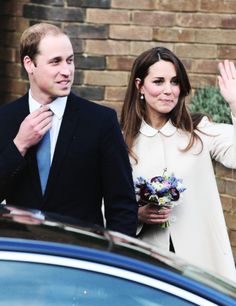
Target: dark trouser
{"x":172,"y":249}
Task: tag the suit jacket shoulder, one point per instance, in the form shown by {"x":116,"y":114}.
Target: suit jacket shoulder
{"x":89,"y":107}
{"x":11,"y":116}
{"x":16,"y":105}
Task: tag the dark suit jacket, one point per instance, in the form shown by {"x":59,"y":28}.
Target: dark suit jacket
{"x":90,"y":162}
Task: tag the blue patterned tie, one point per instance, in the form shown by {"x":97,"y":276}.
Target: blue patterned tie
{"x":44,"y":159}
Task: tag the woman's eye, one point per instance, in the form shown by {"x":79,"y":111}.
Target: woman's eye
{"x":175,"y":81}
{"x":159,"y":81}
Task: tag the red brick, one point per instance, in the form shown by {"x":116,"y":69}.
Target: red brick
{"x":154,"y":18}
{"x":18,"y":87}
{"x":226,"y":203}
{"x":187,"y":63}
{"x":234,"y":205}
{"x":180,"y":5}
{"x":222,"y":171}
{"x":230,"y":187}
{"x":115,"y":93}
{"x":13,"y":70}
{"x":201,"y":80}
{"x":13,"y":39}
{"x":106,"y":78}
{"x":133,"y":4}
{"x":227,"y":52}
{"x":218,"y":6}
{"x":196,"y":51}
{"x":119,"y":63}
{"x":230,"y":221}
{"x":130,"y":32}
{"x":108,"y":47}
{"x":215,"y":36}
{"x":7,"y":54}
{"x":137,"y":47}
{"x":233,"y":238}
{"x":8,"y":23}
{"x":14,"y":8}
{"x":108,"y":16}
{"x":205,"y":66}
{"x":21,"y":24}
{"x":174,"y":35}
{"x":198,"y":20}
{"x":228,"y":22}
{"x":220,"y":181}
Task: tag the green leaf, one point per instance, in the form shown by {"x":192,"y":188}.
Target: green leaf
{"x":208,"y":100}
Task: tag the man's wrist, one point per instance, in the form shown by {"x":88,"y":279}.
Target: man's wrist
{"x":22,"y":149}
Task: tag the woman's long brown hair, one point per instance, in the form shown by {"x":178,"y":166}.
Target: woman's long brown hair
{"x":134,"y":109}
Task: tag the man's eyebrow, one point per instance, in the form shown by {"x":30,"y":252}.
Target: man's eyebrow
{"x":60,"y":57}
{"x":55,"y":58}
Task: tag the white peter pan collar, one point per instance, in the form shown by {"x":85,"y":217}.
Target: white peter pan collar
{"x":168,"y":129}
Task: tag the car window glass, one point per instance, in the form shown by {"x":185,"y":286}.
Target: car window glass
{"x":34,"y":284}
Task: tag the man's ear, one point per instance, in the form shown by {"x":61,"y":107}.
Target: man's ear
{"x":28,"y":64}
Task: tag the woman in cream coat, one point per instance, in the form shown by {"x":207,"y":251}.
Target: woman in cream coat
{"x":161,"y":134}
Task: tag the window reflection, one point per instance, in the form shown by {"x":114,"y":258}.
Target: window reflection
{"x":33,"y":284}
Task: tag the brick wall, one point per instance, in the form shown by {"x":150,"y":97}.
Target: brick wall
{"x":108,"y":34}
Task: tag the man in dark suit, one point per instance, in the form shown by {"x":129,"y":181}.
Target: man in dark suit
{"x":89,"y":160}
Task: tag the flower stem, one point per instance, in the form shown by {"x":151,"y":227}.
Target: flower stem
{"x":165,"y":224}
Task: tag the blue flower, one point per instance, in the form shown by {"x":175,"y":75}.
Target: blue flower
{"x":151,"y":188}
{"x":162,"y":190}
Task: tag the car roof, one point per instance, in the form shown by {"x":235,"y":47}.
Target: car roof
{"x":24,"y":228}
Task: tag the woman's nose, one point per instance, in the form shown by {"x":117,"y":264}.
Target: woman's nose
{"x":167,"y":87}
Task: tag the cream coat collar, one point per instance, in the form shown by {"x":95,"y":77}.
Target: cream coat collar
{"x":168,"y":129}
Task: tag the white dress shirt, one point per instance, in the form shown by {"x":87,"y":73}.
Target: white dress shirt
{"x":57,"y":106}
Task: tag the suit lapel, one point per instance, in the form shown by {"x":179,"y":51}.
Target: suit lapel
{"x":69,"y":122}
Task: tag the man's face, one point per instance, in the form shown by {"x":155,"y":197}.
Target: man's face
{"x":52,"y":72}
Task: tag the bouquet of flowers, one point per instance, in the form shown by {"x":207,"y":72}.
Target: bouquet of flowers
{"x":161,"y":191}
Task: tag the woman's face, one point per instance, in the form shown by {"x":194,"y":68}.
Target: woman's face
{"x":160,"y":88}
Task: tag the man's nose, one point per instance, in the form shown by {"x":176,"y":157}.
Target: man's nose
{"x":65,"y":69}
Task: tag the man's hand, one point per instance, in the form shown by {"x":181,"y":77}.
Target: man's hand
{"x":33,"y":128}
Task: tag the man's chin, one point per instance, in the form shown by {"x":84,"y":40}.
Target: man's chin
{"x":63,"y":93}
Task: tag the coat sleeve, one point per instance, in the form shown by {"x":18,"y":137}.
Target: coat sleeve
{"x":118,"y":189}
{"x":222,"y":142}
{"x":11,"y":162}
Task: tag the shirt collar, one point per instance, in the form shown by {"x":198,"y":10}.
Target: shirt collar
{"x":168,"y":129}
{"x":57,"y":106}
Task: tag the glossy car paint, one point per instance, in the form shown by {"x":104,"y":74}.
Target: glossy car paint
{"x":93,"y":249}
